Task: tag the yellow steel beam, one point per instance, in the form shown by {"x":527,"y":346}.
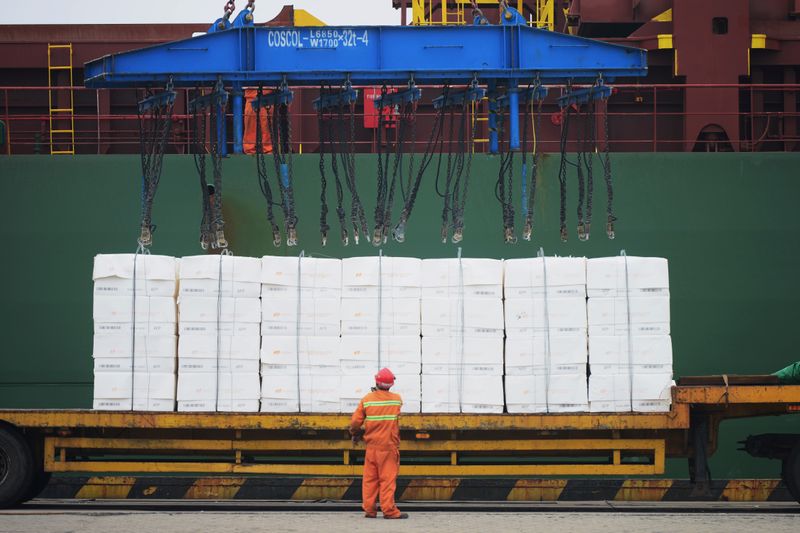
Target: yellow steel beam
{"x":353,"y":470}
{"x":738,"y":394}
{"x":678,"y":418}
{"x":521,"y":445}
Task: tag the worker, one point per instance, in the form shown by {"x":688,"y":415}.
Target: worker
{"x":378,"y":413}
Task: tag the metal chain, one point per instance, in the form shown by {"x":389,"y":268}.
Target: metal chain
{"x":263,"y":176}
{"x":562,"y":173}
{"x":323,"y":195}
{"x":154,"y":128}
{"x":360,"y":213}
{"x":589,"y":160}
{"x":606,"y":160}
{"x":534,"y":171}
{"x":397,"y":167}
{"x":436,"y":131}
{"x":458,"y":213}
{"x":580,"y":135}
{"x":199,"y":152}
{"x":218,"y":222}
{"x":230,"y":7}
{"x":340,"y":213}
{"x":380,"y":202}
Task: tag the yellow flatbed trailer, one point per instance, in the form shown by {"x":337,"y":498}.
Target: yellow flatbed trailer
{"x":37,"y":443}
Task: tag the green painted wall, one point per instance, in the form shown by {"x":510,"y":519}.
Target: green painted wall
{"x":727,"y":222}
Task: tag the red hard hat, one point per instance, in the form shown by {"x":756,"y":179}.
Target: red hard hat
{"x":384,"y":379}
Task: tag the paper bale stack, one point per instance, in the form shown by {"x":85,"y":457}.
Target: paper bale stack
{"x":630,"y":348}
{"x":219,"y":334}
{"x":381,"y":327}
{"x":545,"y":316}
{"x":301,"y":307}
{"x":134,"y":348}
{"x":462,"y":336}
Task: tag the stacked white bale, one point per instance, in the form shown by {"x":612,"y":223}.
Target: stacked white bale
{"x":462,"y":336}
{"x":630,"y":348}
{"x":380,"y":327}
{"x":546,"y":352}
{"x":219,"y":334}
{"x":134,"y":346}
{"x":359,"y":360}
{"x":301,"y":307}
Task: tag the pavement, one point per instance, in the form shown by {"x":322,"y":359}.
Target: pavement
{"x":53,"y":516}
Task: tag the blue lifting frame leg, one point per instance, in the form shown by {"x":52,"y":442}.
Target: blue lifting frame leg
{"x":501,"y":57}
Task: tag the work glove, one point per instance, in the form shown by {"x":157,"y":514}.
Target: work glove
{"x":358,"y":436}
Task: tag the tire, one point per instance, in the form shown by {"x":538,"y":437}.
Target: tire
{"x":791,"y":471}
{"x":16,"y":467}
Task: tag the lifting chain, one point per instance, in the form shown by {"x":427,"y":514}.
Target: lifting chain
{"x":536,"y":152}
{"x":562,"y":170}
{"x":461,"y":185}
{"x":155,"y":123}
{"x":580,"y":147}
{"x":399,"y":231}
{"x":230,"y":7}
{"x":590,"y":138}
{"x":477,"y":13}
{"x":504,"y":189}
{"x":328,"y":129}
{"x":383,"y":176}
{"x":606,"y":161}
{"x":280,"y":126}
{"x":347,"y":158}
{"x":263,"y":174}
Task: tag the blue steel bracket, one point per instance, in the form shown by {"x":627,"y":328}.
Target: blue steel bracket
{"x":412,"y":94}
{"x":369,"y":55}
{"x":243,"y":19}
{"x":582,"y":96}
{"x":457,"y":98}
{"x":275,"y":98}
{"x":512,"y":17}
{"x":534,"y":94}
{"x":343,"y":98}
{"x":163,"y":99}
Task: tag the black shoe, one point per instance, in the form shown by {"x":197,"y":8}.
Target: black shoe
{"x":401,"y":516}
{"x":370,"y":515}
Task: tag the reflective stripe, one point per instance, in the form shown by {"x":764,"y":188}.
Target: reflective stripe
{"x":382,"y":417}
{"x":387,"y":402}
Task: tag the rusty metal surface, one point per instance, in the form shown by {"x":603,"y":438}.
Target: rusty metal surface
{"x":678,"y":418}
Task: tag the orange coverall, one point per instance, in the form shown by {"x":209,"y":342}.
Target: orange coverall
{"x":378,"y":412}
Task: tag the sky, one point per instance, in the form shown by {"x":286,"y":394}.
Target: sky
{"x":332,"y":12}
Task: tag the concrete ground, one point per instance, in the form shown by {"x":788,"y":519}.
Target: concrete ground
{"x":590,"y":516}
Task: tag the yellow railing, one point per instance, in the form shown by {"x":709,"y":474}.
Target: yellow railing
{"x":457,"y":12}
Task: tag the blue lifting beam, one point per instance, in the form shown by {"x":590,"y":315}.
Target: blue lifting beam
{"x":242,"y":54}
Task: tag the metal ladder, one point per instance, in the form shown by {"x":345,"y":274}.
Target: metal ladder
{"x":60,"y":136}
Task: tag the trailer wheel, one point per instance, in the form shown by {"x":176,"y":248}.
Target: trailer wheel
{"x":16,"y":467}
{"x":791,"y":471}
